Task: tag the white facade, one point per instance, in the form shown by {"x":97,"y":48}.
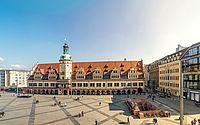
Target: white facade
{"x":13,"y":78}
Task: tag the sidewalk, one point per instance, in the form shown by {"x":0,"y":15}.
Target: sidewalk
{"x":173,"y":102}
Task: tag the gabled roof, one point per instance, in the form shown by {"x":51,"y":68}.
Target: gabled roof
{"x":45,"y":67}
{"x":108,"y":65}
{"x":103,"y":65}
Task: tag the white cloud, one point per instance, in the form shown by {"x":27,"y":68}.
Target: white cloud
{"x":17,"y":66}
{"x":1,"y":59}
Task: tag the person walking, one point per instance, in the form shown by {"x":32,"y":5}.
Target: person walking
{"x":198,"y":121}
{"x":128,"y":121}
{"x":195,"y":121}
{"x":96,"y":123}
{"x":82,"y":113}
{"x":99,"y":103}
{"x":155,"y":121}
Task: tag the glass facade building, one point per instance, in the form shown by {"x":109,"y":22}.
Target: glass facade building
{"x":191,"y":72}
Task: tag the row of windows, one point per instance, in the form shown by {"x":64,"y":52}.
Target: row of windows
{"x":97,"y":77}
{"x":192,"y":68}
{"x":190,"y":77}
{"x":169,"y":78}
{"x":169,"y":84}
{"x":191,"y":61}
{"x":191,"y":85}
{"x":104,"y":84}
{"x":115,"y":76}
{"x":52,"y":77}
{"x":114,"y":71}
{"x":169,"y":71}
{"x":193,"y":51}
{"x":42,"y":84}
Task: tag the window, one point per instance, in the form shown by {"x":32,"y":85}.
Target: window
{"x":193,"y":51}
{"x":141,"y":84}
{"x":85,"y":85}
{"x":193,"y":61}
{"x":104,"y":84}
{"x":40,"y":84}
{"x":123,"y":84}
{"x":129,"y":84}
{"x":46,"y":84}
{"x":116,"y":84}
{"x":92,"y":85}
{"x":135,"y":84}
{"x":73,"y":84}
{"x":98,"y":84}
{"x":109,"y":84}
{"x":79,"y":84}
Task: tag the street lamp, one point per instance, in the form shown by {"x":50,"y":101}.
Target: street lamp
{"x":181,"y":95}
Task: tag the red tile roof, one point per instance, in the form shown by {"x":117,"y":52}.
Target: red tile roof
{"x":44,"y":67}
{"x":108,"y":65}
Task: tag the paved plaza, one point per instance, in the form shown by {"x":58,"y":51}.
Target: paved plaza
{"x":112,"y":111}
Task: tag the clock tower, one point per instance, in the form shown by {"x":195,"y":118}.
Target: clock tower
{"x":65,"y":63}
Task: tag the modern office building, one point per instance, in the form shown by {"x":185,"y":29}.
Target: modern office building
{"x":14,"y":78}
{"x":100,"y":77}
{"x":191,"y":72}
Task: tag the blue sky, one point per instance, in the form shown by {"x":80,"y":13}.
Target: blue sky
{"x":33,"y":31}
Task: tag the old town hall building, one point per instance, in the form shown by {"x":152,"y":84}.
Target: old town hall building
{"x":102,"y":77}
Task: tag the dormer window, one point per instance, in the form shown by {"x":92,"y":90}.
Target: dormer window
{"x":97,"y":74}
{"x":80,"y":74}
{"x":132,"y":74}
{"x":37,"y":74}
{"x":115,"y":74}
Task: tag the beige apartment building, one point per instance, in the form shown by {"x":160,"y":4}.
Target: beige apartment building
{"x":169,"y":73}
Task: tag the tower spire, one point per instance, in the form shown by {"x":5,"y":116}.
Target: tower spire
{"x":65,"y":55}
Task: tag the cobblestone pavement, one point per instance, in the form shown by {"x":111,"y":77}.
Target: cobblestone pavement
{"x":111,"y":111}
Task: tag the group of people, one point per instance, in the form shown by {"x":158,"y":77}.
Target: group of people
{"x":194,"y":121}
{"x":151,"y":96}
{"x":81,"y":114}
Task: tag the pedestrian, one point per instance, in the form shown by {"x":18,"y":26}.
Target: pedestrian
{"x":192,"y":122}
{"x":198,"y":121}
{"x":65,"y":104}
{"x":96,"y":123}
{"x":82,"y":113}
{"x":128,"y":121}
{"x":79,"y":114}
{"x":195,"y":121}
{"x":155,"y":121}
{"x":99,"y":103}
